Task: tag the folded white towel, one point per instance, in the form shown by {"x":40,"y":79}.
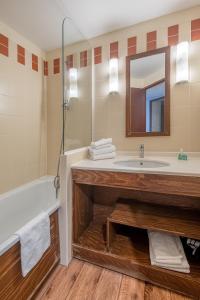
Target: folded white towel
{"x":166,"y":251}
{"x":107,"y":149}
{"x":35,"y":239}
{"x":101,"y":142}
{"x":100,"y":147}
{"x":165,"y":246}
{"x":103,"y":156}
{"x":182,"y":267}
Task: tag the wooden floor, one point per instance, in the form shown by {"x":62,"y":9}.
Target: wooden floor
{"x":83,"y":281}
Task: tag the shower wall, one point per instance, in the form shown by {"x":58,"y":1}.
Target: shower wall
{"x":22,"y":110}
{"x":78,"y":119}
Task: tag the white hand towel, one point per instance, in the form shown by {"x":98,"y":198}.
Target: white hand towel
{"x":165,"y":247}
{"x":100,"y":147}
{"x":183,"y":267}
{"x":101,"y":142}
{"x":107,"y":149}
{"x":103,"y":156}
{"x":35,"y":239}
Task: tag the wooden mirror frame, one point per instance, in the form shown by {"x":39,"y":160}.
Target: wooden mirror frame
{"x":129,"y":128}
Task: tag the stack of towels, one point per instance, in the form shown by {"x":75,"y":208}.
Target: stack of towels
{"x":102,"y":149}
{"x":166,"y":251}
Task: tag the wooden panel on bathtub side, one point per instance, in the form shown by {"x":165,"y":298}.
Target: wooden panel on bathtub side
{"x":12,"y":284}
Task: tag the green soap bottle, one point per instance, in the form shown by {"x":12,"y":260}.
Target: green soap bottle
{"x":182,"y":155}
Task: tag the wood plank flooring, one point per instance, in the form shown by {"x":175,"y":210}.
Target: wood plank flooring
{"x":84,"y":281}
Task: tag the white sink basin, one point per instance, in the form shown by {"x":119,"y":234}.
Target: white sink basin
{"x":141,"y":163}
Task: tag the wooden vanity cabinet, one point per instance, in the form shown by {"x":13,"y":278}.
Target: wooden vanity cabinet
{"x":112,"y":212}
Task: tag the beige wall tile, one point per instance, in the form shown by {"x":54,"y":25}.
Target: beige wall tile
{"x":22,"y":116}
{"x":109,"y":110}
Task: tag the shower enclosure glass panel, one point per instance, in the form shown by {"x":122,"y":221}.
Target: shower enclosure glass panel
{"x":77,"y":82}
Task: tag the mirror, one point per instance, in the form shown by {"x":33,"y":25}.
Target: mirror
{"x":148,"y":93}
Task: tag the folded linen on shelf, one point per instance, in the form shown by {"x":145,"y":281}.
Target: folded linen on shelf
{"x":101,"y":143}
{"x":102,"y":149}
{"x":161,"y":242}
{"x":166,"y":251}
{"x":107,"y":149}
{"x":103,"y":156}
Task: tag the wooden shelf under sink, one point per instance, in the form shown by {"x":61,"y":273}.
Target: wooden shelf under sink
{"x":164,"y":203}
{"x":129,"y":254}
{"x":174,"y":220}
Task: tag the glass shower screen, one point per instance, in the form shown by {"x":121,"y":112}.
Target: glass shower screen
{"x":77,"y":88}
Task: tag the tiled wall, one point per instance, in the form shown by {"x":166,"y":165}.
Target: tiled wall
{"x":109,"y":110}
{"x":22,"y":111}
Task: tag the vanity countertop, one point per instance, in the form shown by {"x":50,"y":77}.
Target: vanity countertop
{"x":191,"y":167}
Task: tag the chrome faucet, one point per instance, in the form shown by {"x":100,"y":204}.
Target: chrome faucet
{"x":141,"y":151}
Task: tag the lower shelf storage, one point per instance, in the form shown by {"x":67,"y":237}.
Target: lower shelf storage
{"x":124,"y":247}
{"x":129,"y":254}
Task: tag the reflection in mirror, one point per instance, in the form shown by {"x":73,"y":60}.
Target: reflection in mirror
{"x":146,"y":96}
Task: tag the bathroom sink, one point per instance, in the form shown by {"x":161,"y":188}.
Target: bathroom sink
{"x":141,"y":163}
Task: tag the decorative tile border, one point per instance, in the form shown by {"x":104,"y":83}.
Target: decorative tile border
{"x":132,"y":45}
{"x":21,"y":55}
{"x":173,"y":35}
{"x":114,"y":50}
{"x":4,"y":45}
{"x":97,"y":55}
{"x":195,"y":30}
{"x":83,"y":59}
{"x":151,"y":40}
{"x":56,"y":66}
{"x":70,"y":61}
{"x":35,"y":62}
{"x":46,"y":71}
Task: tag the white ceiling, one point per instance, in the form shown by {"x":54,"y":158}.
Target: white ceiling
{"x":40,"y":20}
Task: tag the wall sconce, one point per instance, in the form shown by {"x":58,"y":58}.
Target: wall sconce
{"x":73,"y":78}
{"x":182,"y":65}
{"x":113,"y":74}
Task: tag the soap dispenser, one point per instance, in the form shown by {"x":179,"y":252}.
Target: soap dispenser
{"x":182,"y":155}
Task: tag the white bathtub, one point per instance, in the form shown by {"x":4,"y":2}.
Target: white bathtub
{"x":22,"y":204}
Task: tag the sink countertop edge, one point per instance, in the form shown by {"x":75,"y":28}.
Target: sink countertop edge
{"x":190,"y":167}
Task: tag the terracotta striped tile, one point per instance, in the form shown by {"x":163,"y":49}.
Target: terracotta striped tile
{"x":114,"y":50}
{"x":195,"y":24}
{"x":195,"y":30}
{"x":151,"y":40}
{"x":173,"y":35}
{"x":151,"y":36}
{"x":83,"y":59}
{"x":70,"y":61}
{"x":97,"y":51}
{"x":195,"y":35}
{"x":173,"y":30}
{"x":21,"y":55}
{"x":3,"y":40}
{"x":4,"y":45}
{"x":46,"y":72}
{"x":3,"y":50}
{"x":132,"y":45}
{"x":97,"y":55}
{"x":56,"y":65}
{"x":35,"y":62}
{"x":173,"y":40}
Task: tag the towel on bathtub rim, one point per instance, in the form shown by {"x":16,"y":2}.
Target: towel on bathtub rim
{"x":35,"y":239}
